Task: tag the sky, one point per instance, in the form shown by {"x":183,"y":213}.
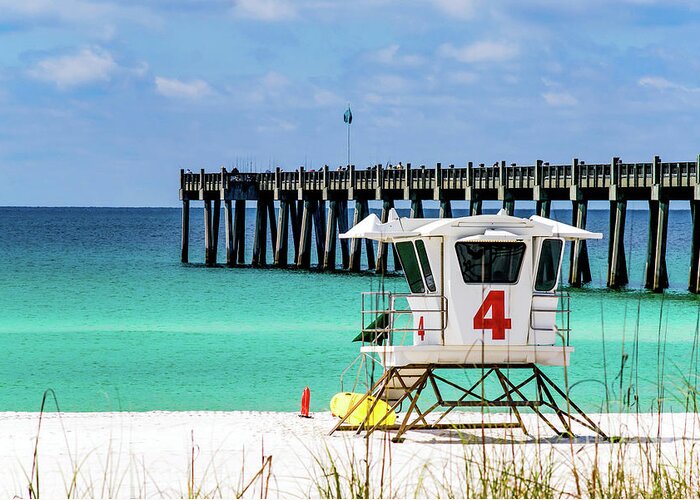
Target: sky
{"x":102,"y":102}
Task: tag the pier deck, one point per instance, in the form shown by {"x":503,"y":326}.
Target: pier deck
{"x":317,"y":201}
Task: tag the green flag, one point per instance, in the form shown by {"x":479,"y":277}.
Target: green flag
{"x":347,"y":117}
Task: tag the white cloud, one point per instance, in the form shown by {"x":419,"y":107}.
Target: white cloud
{"x":485,"y":51}
{"x":390,"y":55}
{"x":265,"y":10}
{"x":389,"y":83}
{"x":461,"y":9}
{"x":87,"y":66}
{"x":559,"y":99}
{"x":656,"y":82}
{"x":462,"y":77}
{"x":323,"y":97}
{"x":274,"y":81}
{"x":93,"y":14}
{"x":172,"y":87}
{"x":661,"y":83}
{"x":277,"y":125}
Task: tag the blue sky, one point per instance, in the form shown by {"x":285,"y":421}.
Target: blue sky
{"x":102,"y":102}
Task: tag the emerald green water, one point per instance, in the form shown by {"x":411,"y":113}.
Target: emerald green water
{"x":95,"y":304}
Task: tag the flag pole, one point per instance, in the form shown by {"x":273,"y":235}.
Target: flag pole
{"x":348,"y":144}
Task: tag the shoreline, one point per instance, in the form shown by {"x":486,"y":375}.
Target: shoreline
{"x":147,"y":454}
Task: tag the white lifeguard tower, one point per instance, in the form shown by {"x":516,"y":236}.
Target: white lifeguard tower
{"x":483,"y":295}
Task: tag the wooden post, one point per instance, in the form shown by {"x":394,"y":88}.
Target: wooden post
{"x":651,"y":244}
{"x":445,"y":209}
{"x":320,"y":231}
{"x":474,"y":207}
{"x":207,"y":233}
{"x":660,"y":271}
{"x":215,"y":233}
{"x":509,"y":205}
{"x":260,"y":237}
{"x":185,"y":244}
{"x":544,"y":208}
{"x":369,"y":249}
{"x":272,"y":217}
{"x":356,"y":243}
{"x":295,"y":212}
{"x":579,"y":266}
{"x":282,"y":234}
{"x":694,"y":277}
{"x":343,"y":228}
{"x":228,"y":226}
{"x":331,"y":230}
{"x":382,"y":248}
{"x":304,"y":259}
{"x":239,"y":232}
{"x":617,"y":265}
{"x":417,"y":209}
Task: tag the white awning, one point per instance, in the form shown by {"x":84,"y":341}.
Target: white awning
{"x":372,"y":228}
{"x":565,"y":230}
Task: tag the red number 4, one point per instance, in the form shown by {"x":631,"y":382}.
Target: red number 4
{"x":497,"y":323}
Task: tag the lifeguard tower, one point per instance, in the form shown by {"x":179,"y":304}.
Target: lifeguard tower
{"x":483,"y":296}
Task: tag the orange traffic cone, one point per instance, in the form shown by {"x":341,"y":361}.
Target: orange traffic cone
{"x":305,"y":401}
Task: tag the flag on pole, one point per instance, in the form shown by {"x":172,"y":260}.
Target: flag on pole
{"x":347,"y":117}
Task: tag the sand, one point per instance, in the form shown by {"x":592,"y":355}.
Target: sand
{"x":151,"y":454}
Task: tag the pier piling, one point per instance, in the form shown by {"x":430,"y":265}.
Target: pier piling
{"x":304,"y":195}
{"x":617,"y":264}
{"x":185,"y":244}
{"x":281,"y":248}
{"x":228,"y":231}
{"x":579,"y":268}
{"x":208,"y":237}
{"x":474,"y":207}
{"x":361,"y":211}
{"x":509,"y":206}
{"x":319,"y":217}
{"x":260,"y":236}
{"x":445,"y":209}
{"x":694,"y":275}
{"x":216,"y":222}
{"x":239,"y":232}
{"x":660,"y":274}
{"x":304,"y":258}
{"x":382,"y":248}
{"x":331,"y":234}
{"x":343,"y":228}
{"x":417,"y":209}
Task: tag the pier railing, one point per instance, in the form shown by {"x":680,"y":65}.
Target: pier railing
{"x":475,"y":178}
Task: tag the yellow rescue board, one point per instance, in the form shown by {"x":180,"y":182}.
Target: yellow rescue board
{"x":343,"y":402}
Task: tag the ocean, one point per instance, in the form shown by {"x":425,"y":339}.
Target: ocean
{"x":95,"y":305}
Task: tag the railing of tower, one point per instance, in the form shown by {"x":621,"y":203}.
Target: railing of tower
{"x":387,"y":318}
{"x":562,"y":312}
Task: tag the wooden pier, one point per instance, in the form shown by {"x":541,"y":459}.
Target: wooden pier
{"x":316,"y":203}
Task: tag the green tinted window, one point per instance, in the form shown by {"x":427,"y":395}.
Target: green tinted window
{"x":491,"y":262}
{"x":425,"y":264}
{"x":549,"y":265}
{"x":409,"y":262}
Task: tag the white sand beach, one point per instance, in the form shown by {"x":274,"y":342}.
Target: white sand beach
{"x":151,"y":454}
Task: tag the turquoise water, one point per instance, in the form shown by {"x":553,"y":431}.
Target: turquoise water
{"x":95,"y":304}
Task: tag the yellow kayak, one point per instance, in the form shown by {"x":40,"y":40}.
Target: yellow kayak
{"x":342,"y":402}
